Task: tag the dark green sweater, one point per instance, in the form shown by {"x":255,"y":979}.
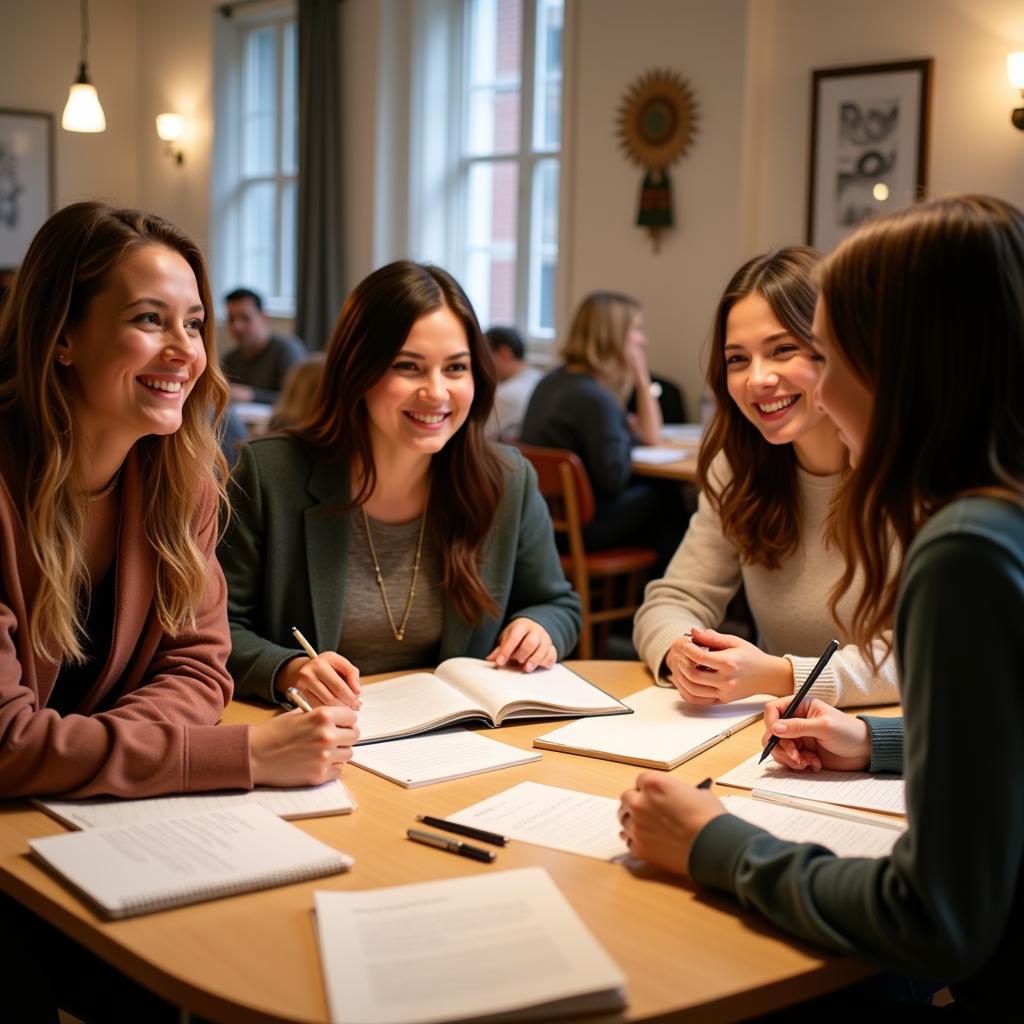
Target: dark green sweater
{"x":283,"y":556}
{"x":947,"y":904}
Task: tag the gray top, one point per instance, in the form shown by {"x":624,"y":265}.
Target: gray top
{"x":575,"y":411}
{"x":366,"y":637}
{"x":948,"y":903}
{"x":265,"y":371}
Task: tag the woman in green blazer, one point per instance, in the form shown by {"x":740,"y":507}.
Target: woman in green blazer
{"x":385,"y":526}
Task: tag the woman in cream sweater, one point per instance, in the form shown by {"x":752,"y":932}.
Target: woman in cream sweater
{"x":768,"y":466}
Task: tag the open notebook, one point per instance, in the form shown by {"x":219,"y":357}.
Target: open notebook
{"x":300,"y":802}
{"x":662,"y":732}
{"x":126,"y":870}
{"x":493,"y":946}
{"x":464,"y":689}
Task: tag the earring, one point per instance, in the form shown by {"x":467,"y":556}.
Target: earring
{"x":63,"y":359}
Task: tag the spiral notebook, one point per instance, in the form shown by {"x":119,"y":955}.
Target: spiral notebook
{"x":136,"y":869}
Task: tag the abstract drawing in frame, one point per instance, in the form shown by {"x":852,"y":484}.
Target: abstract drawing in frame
{"x":26,"y":180}
{"x":869,"y":145}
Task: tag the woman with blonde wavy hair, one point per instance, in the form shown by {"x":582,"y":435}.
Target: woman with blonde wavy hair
{"x":113,"y":629}
{"x":580,"y":406}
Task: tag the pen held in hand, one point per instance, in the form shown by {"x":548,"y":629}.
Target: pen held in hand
{"x":298,"y":698}
{"x":306,"y":645}
{"x":463,"y":830}
{"x":455,"y":846}
{"x":833,"y":646}
{"x":311,"y":654}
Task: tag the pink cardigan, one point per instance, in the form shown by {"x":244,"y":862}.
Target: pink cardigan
{"x":161,"y":735}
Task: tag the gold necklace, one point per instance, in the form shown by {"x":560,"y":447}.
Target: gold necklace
{"x":399,"y":633}
{"x":98,"y":495}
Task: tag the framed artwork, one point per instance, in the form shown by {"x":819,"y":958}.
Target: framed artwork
{"x":869,"y":145}
{"x":26,"y":180}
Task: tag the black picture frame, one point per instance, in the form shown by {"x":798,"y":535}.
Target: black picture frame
{"x":26,"y":179}
{"x":869,"y":144}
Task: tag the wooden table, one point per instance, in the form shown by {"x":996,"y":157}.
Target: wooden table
{"x":689,"y":956}
{"x":683,"y":470}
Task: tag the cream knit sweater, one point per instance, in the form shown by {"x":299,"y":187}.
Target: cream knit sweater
{"x":789,"y":604}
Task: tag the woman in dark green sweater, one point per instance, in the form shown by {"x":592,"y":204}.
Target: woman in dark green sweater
{"x":386,"y":526}
{"x":921,"y":326}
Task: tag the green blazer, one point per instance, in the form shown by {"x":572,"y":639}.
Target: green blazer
{"x":283,"y":555}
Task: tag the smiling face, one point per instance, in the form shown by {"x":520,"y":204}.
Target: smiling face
{"x":841,"y":394}
{"x":771,"y":376}
{"x":425,"y":395}
{"x":133,"y":359}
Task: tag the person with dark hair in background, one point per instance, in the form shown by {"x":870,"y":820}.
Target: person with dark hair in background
{"x":257,"y":365}
{"x":516,"y":381}
{"x":385,"y":525}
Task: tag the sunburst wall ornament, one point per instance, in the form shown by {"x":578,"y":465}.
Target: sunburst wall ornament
{"x":656,"y":124}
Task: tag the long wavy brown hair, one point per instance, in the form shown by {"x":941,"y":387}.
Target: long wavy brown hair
{"x":67,"y":264}
{"x":467,"y":474}
{"x":758,"y":503}
{"x":926,"y":307}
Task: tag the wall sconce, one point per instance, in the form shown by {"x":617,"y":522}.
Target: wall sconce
{"x":82,"y":112}
{"x":169,"y":127}
{"x":1015,"y":72}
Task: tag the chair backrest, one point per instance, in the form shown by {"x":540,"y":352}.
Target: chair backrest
{"x":561,"y":477}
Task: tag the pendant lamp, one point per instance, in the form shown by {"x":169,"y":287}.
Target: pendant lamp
{"x":82,"y":112}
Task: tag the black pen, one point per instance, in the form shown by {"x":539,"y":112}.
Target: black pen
{"x":463,"y":830}
{"x":451,"y":845}
{"x":706,"y":784}
{"x":833,"y":646}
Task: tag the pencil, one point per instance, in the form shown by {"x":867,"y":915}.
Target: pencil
{"x":833,"y":646}
{"x":298,"y":699}
{"x":306,"y":645}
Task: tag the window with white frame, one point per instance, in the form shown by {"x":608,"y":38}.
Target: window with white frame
{"x":486,"y":152}
{"x":256,"y":154}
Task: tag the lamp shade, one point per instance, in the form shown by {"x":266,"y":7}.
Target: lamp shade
{"x":82,"y":112}
{"x":169,"y":126}
{"x":1015,"y":68}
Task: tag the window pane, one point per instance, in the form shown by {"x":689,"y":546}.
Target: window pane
{"x":491,"y":227}
{"x":289,"y":101}
{"x":288,"y":230}
{"x":259,"y":102}
{"x":259,"y":228}
{"x":547,"y":110}
{"x":543,"y":248}
{"x":495,"y":57}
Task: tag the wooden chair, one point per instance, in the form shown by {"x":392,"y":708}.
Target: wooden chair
{"x":566,"y":487}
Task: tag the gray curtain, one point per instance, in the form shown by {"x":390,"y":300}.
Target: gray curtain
{"x":320,"y":287}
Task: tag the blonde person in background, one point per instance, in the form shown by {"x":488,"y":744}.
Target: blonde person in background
{"x":769,"y":465}
{"x":298,"y":392}
{"x":581,"y":406}
{"x":113,"y":629}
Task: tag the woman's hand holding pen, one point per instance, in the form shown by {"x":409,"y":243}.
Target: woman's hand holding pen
{"x":326,"y":679}
{"x":708,"y":667}
{"x":660,"y":819}
{"x":302,"y":748}
{"x":817,"y":736}
{"x":524,"y":642}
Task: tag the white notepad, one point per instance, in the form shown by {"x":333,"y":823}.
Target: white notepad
{"x":663,"y":731}
{"x":169,"y":862}
{"x":438,"y":757}
{"x":504,"y":942}
{"x":300,"y":802}
{"x":844,"y":837}
{"x":560,"y":819}
{"x":848,"y":789}
{"x":655,"y":455}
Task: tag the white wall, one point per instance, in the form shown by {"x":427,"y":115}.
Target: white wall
{"x":973,"y":145}
{"x":613,"y":44}
{"x":38,"y":62}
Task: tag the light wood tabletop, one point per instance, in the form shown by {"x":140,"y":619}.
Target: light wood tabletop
{"x":683,"y":469}
{"x":688,"y":955}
